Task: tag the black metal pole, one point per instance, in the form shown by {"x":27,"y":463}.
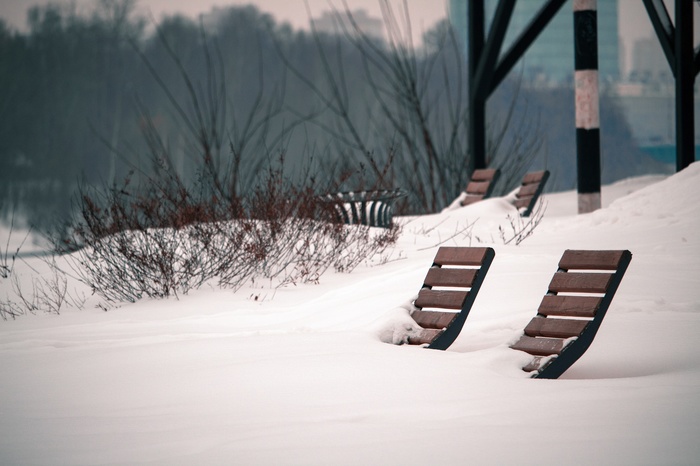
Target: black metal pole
{"x":685,"y":79}
{"x":477,"y":102}
{"x":587,"y":105}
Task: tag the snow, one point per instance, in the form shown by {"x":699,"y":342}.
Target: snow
{"x":300,"y":375}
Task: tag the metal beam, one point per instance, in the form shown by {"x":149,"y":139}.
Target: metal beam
{"x":664,"y":29}
{"x":523,"y":42}
{"x":477,"y":103}
{"x":486,"y":72}
{"x":492,"y":47}
{"x":685,"y":80}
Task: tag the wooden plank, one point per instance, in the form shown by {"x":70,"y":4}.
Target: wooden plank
{"x":478,"y":187}
{"x":528,"y":190}
{"x":555,"y":328}
{"x":425,"y":337}
{"x":522,"y":202}
{"x":533,"y":177}
{"x":442,"y":299}
{"x":539,"y":346}
{"x":571,"y":306}
{"x":566,"y":282}
{"x":470,"y":199}
{"x":591,"y":260}
{"x":484,"y":174}
{"x":462,"y":278}
{"x":533,"y":365}
{"x":454,"y":255}
{"x":433,"y":319}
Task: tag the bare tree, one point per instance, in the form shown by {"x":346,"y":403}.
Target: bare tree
{"x":412,"y":131}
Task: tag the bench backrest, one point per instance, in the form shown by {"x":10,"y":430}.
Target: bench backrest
{"x":449,"y":290}
{"x":530,"y":190}
{"x":481,"y":185}
{"x":572,"y":310}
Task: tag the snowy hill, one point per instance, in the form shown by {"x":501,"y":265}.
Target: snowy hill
{"x":300,"y":375}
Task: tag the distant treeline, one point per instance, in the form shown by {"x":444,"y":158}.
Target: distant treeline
{"x":94,"y":98}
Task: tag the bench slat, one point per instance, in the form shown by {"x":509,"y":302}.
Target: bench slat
{"x":470,"y":199}
{"x":425,"y":337}
{"x":564,"y":282}
{"x":443,"y":299}
{"x":519,"y":203}
{"x":533,"y":177}
{"x":555,"y":328}
{"x":484,"y":174}
{"x":450,"y":255}
{"x":450,"y":277}
{"x":571,"y":306}
{"x":478,"y":187}
{"x":533,"y":365}
{"x":527,"y":190}
{"x":433,"y":319}
{"x":591,"y":260}
{"x":539,"y":346}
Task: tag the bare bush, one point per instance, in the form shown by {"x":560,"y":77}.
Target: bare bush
{"x":7,"y":258}
{"x":47,"y":293}
{"x":170,"y":239}
{"x":161,"y":233}
{"x":520,"y":228}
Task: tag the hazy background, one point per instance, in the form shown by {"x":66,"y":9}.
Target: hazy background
{"x":88,"y":95}
{"x":633,"y":20}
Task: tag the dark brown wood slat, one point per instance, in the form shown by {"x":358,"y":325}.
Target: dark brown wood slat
{"x":438,"y":276}
{"x":528,"y":190}
{"x":433,"y":319}
{"x":590,"y":260}
{"x":470,"y":199}
{"x":533,"y":177}
{"x":571,"y":306}
{"x":539,"y":346}
{"x":442,"y":299}
{"x":533,"y":365}
{"x":555,"y":328}
{"x":449,"y":255}
{"x":522,"y":202}
{"x":484,"y":174}
{"x":478,"y":187}
{"x":425,"y":337}
{"x":566,"y":282}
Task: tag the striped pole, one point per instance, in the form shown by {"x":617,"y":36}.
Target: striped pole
{"x":587,"y":105}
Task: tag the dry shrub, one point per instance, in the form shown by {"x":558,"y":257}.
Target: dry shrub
{"x":170,"y":239}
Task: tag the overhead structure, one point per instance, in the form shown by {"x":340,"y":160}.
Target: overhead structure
{"x":486,"y":70}
{"x":677,"y":43}
{"x":488,"y":67}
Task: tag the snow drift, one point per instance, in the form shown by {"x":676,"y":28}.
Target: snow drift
{"x":300,"y":375}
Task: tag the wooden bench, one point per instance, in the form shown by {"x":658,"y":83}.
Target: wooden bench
{"x":481,"y":185}
{"x":530,"y":190}
{"x":572,"y":310}
{"x":449,"y":290}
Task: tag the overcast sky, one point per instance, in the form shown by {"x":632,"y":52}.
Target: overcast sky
{"x":633,"y":25}
{"x":423,"y":13}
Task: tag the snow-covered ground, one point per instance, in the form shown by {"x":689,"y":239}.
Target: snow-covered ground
{"x":300,"y":376}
